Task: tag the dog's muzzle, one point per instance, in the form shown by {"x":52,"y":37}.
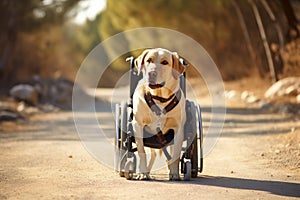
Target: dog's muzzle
{"x":152,"y":76}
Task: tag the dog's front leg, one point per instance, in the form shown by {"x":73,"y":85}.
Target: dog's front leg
{"x":152,"y":159}
{"x":138,"y":134}
{"x":174,"y":162}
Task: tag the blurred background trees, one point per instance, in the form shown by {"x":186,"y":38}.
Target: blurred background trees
{"x":32,"y":39}
{"x":244,"y":37}
{"x":229,"y":30}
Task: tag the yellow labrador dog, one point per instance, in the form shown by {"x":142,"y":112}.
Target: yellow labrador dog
{"x":159,"y":105}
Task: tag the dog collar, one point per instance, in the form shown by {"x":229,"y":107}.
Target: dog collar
{"x":171,"y":105}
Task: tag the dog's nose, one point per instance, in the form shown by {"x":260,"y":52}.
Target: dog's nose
{"x":152,"y":76}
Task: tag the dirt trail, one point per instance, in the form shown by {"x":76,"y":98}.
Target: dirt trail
{"x":256,"y":157}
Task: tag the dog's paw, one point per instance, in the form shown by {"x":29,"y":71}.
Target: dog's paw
{"x":144,"y":177}
{"x":174,"y":177}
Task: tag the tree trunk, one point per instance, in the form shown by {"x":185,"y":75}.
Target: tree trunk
{"x":292,"y":20}
{"x":264,"y":40}
{"x":245,"y":31}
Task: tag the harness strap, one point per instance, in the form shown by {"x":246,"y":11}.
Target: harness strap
{"x":160,"y":137}
{"x":154,"y":107}
{"x":173,"y":103}
{"x":163,"y":100}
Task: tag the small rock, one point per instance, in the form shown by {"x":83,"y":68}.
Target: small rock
{"x":245,"y":95}
{"x":9,"y":116}
{"x":252,"y":99}
{"x":230,"y":94}
{"x":25,"y":93}
{"x":279,"y":88}
{"x":70,"y":156}
{"x":291,"y":90}
{"x":262,"y":155}
{"x":277,"y":151}
{"x":249,"y":97}
{"x":13,"y":106}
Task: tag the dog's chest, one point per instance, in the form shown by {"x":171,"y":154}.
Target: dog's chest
{"x":158,"y":117}
{"x":163,"y":121}
{"x":156,"y":120}
{"x":152,"y":122}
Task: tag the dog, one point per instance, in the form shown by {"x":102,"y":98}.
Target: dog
{"x":159,"y":105}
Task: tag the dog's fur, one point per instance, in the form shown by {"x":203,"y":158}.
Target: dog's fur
{"x":161,"y":71}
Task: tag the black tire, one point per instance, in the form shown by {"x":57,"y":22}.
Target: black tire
{"x":194,"y":145}
{"x":117,"y":138}
{"x":128,"y":173}
{"x":194,"y":159}
{"x":123,"y":123}
{"x":187,"y":171}
{"x":191,"y":135}
{"x":200,"y":133}
{"x":123,"y":134}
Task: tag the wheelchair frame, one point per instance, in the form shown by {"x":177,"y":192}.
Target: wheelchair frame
{"x":191,"y":161}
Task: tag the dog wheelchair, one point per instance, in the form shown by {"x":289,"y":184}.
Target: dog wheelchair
{"x":125,"y":160}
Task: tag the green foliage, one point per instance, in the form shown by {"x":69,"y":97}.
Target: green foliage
{"x":215,"y":24}
{"x":209,"y":22}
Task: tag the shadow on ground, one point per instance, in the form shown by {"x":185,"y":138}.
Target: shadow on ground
{"x":280,"y":188}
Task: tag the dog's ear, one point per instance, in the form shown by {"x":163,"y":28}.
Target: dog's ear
{"x":178,"y":67}
{"x":140,"y":61}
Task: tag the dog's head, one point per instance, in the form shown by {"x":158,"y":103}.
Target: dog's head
{"x":159,"y":66}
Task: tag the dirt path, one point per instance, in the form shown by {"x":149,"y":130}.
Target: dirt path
{"x":256,"y":157}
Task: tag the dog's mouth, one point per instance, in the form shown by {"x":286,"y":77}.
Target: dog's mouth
{"x":156,"y":85}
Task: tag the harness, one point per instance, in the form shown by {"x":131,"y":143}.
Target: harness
{"x":171,"y":105}
{"x":174,"y":100}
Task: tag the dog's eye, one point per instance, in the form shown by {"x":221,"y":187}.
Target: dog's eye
{"x":149,"y":60}
{"x":164,"y":62}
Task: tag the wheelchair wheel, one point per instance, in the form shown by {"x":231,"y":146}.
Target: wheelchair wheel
{"x":194,"y":137}
{"x":120,"y":137}
{"x":194,"y":145}
{"x":187,"y":171}
{"x":194,"y":159}
{"x":117,"y":138}
{"x":200,"y":135}
{"x":191,"y":136}
{"x":129,"y":168}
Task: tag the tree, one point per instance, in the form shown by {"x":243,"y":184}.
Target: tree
{"x":211,"y":23}
{"x":20,"y":18}
{"x":292,"y":19}
{"x":267,"y":29}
